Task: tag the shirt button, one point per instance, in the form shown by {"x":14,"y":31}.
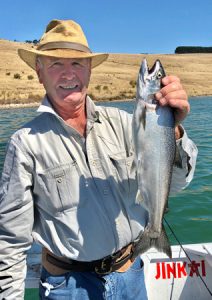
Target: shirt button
{"x":59,"y":180}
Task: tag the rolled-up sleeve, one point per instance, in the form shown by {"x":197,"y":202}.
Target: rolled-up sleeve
{"x":16,"y":221}
{"x":185,"y":163}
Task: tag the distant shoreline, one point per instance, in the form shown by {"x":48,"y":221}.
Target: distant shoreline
{"x":37,"y":104}
{"x":19,"y":105}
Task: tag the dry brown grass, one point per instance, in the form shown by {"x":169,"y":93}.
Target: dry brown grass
{"x":111,"y":80}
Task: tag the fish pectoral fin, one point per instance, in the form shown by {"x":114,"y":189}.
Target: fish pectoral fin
{"x":143,"y":117}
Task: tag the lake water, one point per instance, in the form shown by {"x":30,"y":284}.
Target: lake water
{"x":190,"y":215}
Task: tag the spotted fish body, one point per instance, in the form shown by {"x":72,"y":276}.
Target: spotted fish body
{"x":154,"y":143}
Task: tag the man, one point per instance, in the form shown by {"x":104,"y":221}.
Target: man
{"x":69,"y":181}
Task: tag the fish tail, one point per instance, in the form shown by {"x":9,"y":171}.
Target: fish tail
{"x":145,"y":242}
{"x":162,"y":243}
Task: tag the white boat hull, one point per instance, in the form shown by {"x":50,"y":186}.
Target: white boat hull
{"x":179,"y":278}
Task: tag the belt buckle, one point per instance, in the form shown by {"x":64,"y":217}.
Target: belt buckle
{"x":105,"y":267}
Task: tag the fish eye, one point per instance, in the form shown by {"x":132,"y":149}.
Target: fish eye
{"x":159,"y":75}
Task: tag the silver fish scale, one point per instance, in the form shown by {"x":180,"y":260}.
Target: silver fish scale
{"x":154,"y":142}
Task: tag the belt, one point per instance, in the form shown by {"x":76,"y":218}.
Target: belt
{"x":119,"y":261}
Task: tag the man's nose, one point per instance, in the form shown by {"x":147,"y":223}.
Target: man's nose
{"x":68,"y":72}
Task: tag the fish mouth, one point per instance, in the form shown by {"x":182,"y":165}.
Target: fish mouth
{"x":157,"y":65}
{"x":149,"y":80}
{"x":153,"y":68}
{"x":156,"y":70}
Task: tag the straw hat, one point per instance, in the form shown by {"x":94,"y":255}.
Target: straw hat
{"x":62,"y":39}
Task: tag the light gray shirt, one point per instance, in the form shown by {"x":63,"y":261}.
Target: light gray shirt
{"x":76,"y":196}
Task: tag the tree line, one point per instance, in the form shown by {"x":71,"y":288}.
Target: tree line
{"x":193,"y":49}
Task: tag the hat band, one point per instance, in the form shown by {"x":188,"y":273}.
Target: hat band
{"x":64,"y":45}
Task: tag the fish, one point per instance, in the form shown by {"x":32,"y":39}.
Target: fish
{"x":154,"y":146}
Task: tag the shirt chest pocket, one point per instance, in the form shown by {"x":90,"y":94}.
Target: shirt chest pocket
{"x":62,"y":187}
{"x":123,"y":171}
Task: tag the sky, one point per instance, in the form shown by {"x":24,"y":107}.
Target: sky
{"x":115,"y":26}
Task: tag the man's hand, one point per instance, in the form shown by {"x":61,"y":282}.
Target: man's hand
{"x":174,"y":95}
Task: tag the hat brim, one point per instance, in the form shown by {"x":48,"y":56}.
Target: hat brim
{"x":29,"y":56}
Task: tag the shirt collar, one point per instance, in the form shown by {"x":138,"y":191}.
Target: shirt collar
{"x":46,"y":106}
{"x":92,"y":112}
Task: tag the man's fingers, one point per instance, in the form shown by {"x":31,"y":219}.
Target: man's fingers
{"x":171,"y":98}
{"x":169,"y":79}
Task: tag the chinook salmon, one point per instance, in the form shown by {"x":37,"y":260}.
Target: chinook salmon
{"x":154,"y":143}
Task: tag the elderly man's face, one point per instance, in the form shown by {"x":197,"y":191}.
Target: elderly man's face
{"x":65,"y":80}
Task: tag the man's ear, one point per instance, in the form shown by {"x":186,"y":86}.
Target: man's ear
{"x":38,"y":71}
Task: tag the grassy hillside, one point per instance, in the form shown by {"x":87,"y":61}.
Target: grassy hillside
{"x":114,"y":79}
